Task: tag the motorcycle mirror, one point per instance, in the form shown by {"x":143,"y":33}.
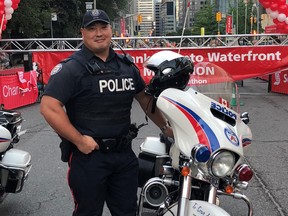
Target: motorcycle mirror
{"x":245,"y":117}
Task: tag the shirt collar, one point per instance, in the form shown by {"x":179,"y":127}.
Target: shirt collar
{"x":90,"y":55}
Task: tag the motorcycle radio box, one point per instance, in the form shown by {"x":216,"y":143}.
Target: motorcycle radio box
{"x":152,"y":156}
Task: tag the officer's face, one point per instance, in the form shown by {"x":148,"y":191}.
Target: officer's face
{"x":97,"y":37}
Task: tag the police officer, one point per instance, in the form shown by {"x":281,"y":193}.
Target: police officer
{"x":87,"y":102}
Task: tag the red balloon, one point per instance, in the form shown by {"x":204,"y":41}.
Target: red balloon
{"x":274,"y":7}
{"x":14,"y":6}
{"x":2,"y":6}
{"x":282,"y":8}
{"x":276,"y":21}
{"x":285,"y":30}
{"x":3,"y":27}
{"x":16,"y":1}
{"x":281,"y":2}
{"x":281,"y":25}
{"x":266,"y":4}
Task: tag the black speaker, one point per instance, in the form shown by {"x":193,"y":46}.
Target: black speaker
{"x":27,"y":62}
{"x":155,"y":192}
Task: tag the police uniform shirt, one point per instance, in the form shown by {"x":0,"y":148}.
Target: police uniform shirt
{"x":97,"y":104}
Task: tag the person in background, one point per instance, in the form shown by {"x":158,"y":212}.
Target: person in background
{"x":88,"y":101}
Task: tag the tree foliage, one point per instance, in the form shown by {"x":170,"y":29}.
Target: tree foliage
{"x":206,"y":17}
{"x":32,"y":19}
{"x":244,"y":12}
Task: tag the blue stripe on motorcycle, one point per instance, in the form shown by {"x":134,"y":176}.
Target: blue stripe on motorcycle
{"x":212,"y":139}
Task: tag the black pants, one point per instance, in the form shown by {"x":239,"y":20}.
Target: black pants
{"x":104,"y":177}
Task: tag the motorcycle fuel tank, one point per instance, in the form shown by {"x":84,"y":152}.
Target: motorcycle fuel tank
{"x":196,"y":118}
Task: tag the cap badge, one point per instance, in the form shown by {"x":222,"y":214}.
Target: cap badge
{"x":95,"y":13}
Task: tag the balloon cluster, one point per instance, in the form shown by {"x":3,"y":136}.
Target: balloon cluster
{"x":278,"y":11}
{"x":7,"y":8}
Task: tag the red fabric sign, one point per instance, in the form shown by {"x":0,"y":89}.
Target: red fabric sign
{"x":123,"y":26}
{"x":279,"y":82}
{"x":239,"y":62}
{"x":18,"y":88}
{"x":271,"y":29}
{"x":47,"y":60}
{"x":229,"y":27}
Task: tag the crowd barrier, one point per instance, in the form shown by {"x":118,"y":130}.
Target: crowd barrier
{"x":279,"y":82}
{"x":18,"y":88}
{"x":240,"y":62}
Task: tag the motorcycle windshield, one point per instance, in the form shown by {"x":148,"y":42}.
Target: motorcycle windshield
{"x":216,"y":83}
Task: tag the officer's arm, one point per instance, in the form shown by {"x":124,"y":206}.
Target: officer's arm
{"x":54,"y":113}
{"x":157,"y":117}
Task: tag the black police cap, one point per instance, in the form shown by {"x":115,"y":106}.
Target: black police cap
{"x":94,"y":16}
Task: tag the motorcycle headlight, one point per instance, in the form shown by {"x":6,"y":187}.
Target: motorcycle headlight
{"x":222,"y":163}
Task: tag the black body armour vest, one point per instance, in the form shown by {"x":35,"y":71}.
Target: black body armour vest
{"x":102,"y":106}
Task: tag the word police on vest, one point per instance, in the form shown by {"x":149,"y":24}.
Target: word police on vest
{"x":116,"y":85}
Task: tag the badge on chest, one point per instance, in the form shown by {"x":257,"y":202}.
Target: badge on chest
{"x":116,"y":85}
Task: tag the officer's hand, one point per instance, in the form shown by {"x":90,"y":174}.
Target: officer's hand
{"x":87,"y":145}
{"x":168,"y":132}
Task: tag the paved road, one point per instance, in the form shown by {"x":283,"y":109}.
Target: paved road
{"x":46,"y":192}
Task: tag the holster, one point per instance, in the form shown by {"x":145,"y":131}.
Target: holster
{"x":66,"y":149}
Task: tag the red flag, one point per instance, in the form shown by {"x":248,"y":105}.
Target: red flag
{"x":224,"y":102}
{"x":188,"y":5}
{"x":122,"y":25}
{"x":229,"y":26}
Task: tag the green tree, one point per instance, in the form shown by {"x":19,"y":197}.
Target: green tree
{"x":242,"y":11}
{"x":28,"y":19}
{"x":32,"y":19}
{"x":206,"y":17}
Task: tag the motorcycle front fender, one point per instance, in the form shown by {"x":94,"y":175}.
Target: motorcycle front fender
{"x":198,"y":208}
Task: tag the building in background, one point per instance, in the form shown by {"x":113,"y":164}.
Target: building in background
{"x":158,"y":27}
{"x":161,"y":17}
{"x":146,"y":9}
{"x":168,"y":17}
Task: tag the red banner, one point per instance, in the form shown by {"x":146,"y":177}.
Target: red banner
{"x":279,"y":82}
{"x":123,"y":26}
{"x":47,"y":60}
{"x":240,"y":62}
{"x":229,"y":27}
{"x":271,"y":29}
{"x":18,"y":88}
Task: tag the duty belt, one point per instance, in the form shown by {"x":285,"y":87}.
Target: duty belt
{"x":119,"y":144}
{"x":112,"y":145}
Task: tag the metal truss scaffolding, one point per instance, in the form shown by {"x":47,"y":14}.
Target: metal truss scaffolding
{"x":73,"y":44}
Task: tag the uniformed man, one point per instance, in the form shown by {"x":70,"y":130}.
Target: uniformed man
{"x":87,"y":102}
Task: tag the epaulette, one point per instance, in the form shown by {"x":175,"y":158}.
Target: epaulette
{"x":93,"y":69}
{"x":126,"y":58}
{"x":66,"y":60}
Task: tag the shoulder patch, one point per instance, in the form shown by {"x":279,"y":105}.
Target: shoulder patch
{"x":56,"y":69}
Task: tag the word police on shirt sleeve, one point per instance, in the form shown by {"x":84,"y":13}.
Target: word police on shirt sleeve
{"x":116,"y":85}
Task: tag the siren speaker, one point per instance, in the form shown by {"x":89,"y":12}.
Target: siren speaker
{"x":155,"y":192}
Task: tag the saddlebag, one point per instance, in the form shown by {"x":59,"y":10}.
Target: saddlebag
{"x":14,"y":169}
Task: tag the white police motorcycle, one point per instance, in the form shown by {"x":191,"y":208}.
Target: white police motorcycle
{"x":15,"y":164}
{"x":186,"y":175}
